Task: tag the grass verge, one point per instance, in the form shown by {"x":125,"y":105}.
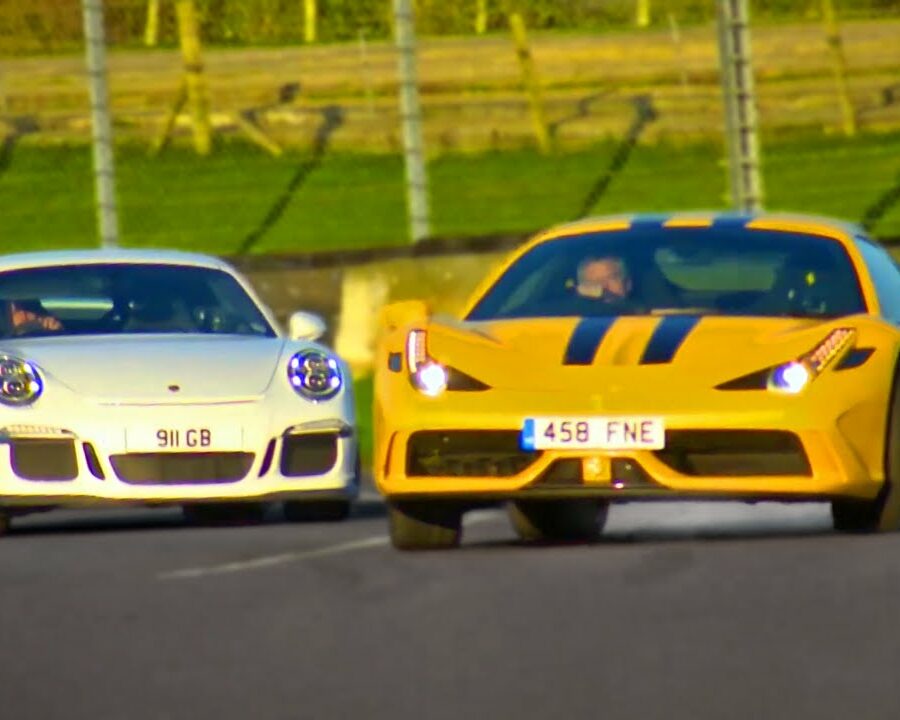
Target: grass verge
{"x":351,"y":201}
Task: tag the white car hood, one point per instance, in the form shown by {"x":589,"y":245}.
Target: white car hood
{"x":148,"y":369}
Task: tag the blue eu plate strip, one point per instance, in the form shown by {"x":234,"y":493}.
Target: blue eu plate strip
{"x":527,"y":440}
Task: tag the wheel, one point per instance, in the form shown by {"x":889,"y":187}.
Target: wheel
{"x":856,"y":516}
{"x":230,"y":513}
{"x":559,"y":520}
{"x":425,"y":525}
{"x":316,"y":510}
{"x":883,"y":513}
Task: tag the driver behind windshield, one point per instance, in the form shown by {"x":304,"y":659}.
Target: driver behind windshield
{"x":604,"y":278}
{"x":25,"y":314}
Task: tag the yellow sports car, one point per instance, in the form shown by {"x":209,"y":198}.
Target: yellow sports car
{"x":746,"y":357}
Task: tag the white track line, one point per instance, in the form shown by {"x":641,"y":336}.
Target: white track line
{"x":267,"y":561}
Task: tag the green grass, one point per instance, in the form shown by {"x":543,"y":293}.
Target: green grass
{"x":352,"y":201}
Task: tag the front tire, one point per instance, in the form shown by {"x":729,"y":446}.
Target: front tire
{"x":425,"y":525}
{"x":227,"y":514}
{"x":559,"y":520}
{"x":856,"y":516}
{"x":883,"y":513}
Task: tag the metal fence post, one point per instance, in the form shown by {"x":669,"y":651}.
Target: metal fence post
{"x":310,"y":21}
{"x":411,"y":115}
{"x":531,"y":81}
{"x":101,"y":125}
{"x":194,"y":78}
{"x":741,"y":122}
{"x":151,"y":29}
{"x":839,"y":60}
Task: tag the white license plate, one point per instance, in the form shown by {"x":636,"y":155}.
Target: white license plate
{"x":593,"y":433}
{"x":179,"y":438}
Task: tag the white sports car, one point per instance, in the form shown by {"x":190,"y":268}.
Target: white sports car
{"x":157,"y":377}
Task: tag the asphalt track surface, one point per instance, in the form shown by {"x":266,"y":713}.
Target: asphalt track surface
{"x":682,"y":611}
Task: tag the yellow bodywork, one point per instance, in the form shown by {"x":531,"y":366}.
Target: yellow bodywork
{"x":840,"y":419}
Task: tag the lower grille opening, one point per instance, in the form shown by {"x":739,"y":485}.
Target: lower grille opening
{"x":467,"y":453}
{"x":568,"y":473}
{"x":308,"y":454}
{"x":737,"y":453}
{"x":560,"y":474}
{"x":42,"y":459}
{"x":181,"y":468}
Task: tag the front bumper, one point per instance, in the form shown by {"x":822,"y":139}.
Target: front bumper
{"x":752,"y":456}
{"x":46,"y":463}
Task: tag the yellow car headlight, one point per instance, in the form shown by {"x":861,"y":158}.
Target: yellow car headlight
{"x":431,"y":377}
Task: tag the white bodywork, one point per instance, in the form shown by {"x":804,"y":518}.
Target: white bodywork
{"x":116,"y":393}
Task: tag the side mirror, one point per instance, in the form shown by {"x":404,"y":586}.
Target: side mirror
{"x":306,"y":326}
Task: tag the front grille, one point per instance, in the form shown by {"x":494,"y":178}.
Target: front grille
{"x":181,"y":468}
{"x":736,"y":453}
{"x":560,"y":474}
{"x":308,"y":454}
{"x":42,"y":459}
{"x":466,"y":453}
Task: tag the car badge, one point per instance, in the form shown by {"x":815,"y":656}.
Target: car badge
{"x":174,"y":388}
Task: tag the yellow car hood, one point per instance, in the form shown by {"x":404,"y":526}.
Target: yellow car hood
{"x":564,"y":353}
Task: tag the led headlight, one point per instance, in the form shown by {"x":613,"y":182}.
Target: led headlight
{"x":430,"y":377}
{"x":20,"y":383}
{"x":315,"y":375}
{"x":427,"y":376}
{"x":793,"y":376}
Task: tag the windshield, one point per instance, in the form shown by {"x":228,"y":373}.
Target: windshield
{"x":125,"y":298}
{"x":705,"y":271}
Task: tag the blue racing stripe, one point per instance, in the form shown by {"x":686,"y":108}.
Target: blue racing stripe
{"x":667,"y":338}
{"x":586,"y":339}
{"x":731,"y":221}
{"x":649,"y":221}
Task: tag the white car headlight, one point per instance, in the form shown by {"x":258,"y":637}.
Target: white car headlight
{"x":791,"y":377}
{"x":315,"y":375}
{"x":431,"y":379}
{"x":20,"y":383}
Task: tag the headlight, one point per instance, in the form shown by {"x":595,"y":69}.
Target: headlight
{"x":430,"y":377}
{"x":315,"y":375}
{"x":20,"y":383}
{"x":793,"y":376}
{"x":790,"y":378}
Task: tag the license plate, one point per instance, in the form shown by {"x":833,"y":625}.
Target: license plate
{"x":593,"y":433}
{"x":184,"y":439}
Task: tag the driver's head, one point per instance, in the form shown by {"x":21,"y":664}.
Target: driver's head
{"x":603,"y":277}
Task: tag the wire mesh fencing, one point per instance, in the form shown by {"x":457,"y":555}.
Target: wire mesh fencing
{"x":307,"y":133}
